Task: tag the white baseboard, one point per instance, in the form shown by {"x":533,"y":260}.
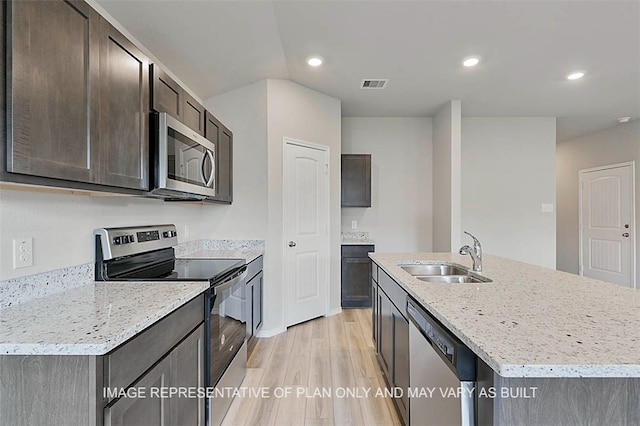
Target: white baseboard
{"x":334,"y":312}
{"x":271,"y":333}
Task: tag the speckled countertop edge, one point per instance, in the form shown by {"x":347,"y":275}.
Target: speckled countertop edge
{"x":90,"y":320}
{"x":570,"y":335}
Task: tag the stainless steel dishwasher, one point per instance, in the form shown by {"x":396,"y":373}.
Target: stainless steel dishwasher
{"x":442,"y":373}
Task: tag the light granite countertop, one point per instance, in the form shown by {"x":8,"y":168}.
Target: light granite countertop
{"x":357,"y":241}
{"x":532,"y":321}
{"x":92,"y":319}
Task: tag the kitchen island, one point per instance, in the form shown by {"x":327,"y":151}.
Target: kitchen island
{"x":574,"y":339}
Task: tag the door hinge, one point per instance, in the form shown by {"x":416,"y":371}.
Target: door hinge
{"x":326,"y":169}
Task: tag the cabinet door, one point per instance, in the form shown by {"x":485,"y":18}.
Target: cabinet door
{"x":356,"y":180}
{"x":401,"y":360}
{"x":124,"y":111}
{"x":52,"y":90}
{"x":193,"y":114}
{"x":167,"y":95}
{"x":187,"y":371}
{"x":217,"y":133}
{"x":356,"y":282}
{"x":386,"y":334}
{"x":149,"y":411}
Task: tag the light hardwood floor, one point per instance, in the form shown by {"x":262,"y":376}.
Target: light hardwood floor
{"x":330,"y":356}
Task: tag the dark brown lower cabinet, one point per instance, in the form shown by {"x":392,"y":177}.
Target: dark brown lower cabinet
{"x":391,"y":335}
{"x":254,"y":300}
{"x":356,"y":276}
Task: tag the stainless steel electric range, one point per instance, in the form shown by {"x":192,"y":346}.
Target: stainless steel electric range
{"x":147,"y":253}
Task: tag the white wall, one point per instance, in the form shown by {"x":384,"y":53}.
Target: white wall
{"x":400,"y":216}
{"x":62,"y":225}
{"x":244,"y":111}
{"x":297,"y":112}
{"x":508,"y":171}
{"x":617,"y":144}
{"x":446,"y":177}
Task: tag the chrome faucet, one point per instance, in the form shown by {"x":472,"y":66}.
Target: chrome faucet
{"x":475,"y":253}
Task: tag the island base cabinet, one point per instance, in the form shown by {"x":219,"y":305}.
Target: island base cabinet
{"x":393,"y":354}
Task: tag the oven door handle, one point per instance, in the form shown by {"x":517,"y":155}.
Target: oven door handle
{"x":227,"y":284}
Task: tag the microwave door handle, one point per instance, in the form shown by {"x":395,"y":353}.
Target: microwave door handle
{"x":202,"y":176}
{"x":213,"y":168}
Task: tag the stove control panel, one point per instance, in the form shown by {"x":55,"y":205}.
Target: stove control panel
{"x":118,"y":242}
{"x":124,"y":239}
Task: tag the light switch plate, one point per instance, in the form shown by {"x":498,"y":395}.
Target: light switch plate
{"x":354,"y":224}
{"x":22,"y":252}
{"x":546,"y":208}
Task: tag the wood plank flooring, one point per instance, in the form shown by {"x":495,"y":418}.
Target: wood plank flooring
{"x":328,"y":367}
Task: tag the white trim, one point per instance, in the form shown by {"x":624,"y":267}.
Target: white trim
{"x":581,"y":173}
{"x":327,"y":150}
{"x":270,"y":333}
{"x":333,"y":312}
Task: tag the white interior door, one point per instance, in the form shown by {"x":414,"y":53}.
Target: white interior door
{"x":306,"y":231}
{"x":607,"y":224}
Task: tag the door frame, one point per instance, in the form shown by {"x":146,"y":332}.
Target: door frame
{"x":581,"y":173}
{"x":327,"y":240}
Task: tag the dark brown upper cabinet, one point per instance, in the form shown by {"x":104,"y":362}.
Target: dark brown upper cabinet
{"x":77,"y":100}
{"x":124,"y":111}
{"x":193,"y":114}
{"x":168,"y":96}
{"x":222,"y":137}
{"x":52,"y":90}
{"x":356,"y":180}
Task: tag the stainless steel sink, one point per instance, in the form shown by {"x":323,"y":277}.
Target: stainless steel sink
{"x":449,"y":279}
{"x":434,"y":269}
{"x":444,"y":273}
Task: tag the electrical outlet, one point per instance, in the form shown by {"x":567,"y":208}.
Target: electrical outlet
{"x":22,"y":252}
{"x":186,"y":232}
{"x":354,"y":224}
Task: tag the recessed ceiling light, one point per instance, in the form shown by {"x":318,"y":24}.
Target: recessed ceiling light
{"x":471,"y":61}
{"x":314,"y":61}
{"x":575,"y":75}
{"x":624,"y":119}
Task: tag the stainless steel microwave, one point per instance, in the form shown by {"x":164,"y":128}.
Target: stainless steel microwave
{"x":184,"y":161}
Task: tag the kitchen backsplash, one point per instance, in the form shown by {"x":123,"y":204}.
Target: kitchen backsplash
{"x":22,"y":289}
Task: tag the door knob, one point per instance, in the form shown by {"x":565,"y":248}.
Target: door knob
{"x":626,"y":235}
{"x":292,"y":243}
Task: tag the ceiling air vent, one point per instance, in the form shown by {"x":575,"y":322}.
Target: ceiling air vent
{"x":370,"y":83}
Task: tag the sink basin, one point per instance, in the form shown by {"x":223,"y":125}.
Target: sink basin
{"x":444,"y":273}
{"x":449,"y":279}
{"x":434,"y":269}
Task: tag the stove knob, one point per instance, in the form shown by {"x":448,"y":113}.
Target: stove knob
{"x":117,"y":240}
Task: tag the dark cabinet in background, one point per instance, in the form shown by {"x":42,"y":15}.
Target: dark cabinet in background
{"x":77,"y":99}
{"x":193,"y":114}
{"x":356,"y":180}
{"x":356,"y":278}
{"x":222,"y":137}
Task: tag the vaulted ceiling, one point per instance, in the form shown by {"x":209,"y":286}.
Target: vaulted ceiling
{"x":527,"y":49}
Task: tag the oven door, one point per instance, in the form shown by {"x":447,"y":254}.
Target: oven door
{"x":227,"y":325}
{"x":186,"y":162}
